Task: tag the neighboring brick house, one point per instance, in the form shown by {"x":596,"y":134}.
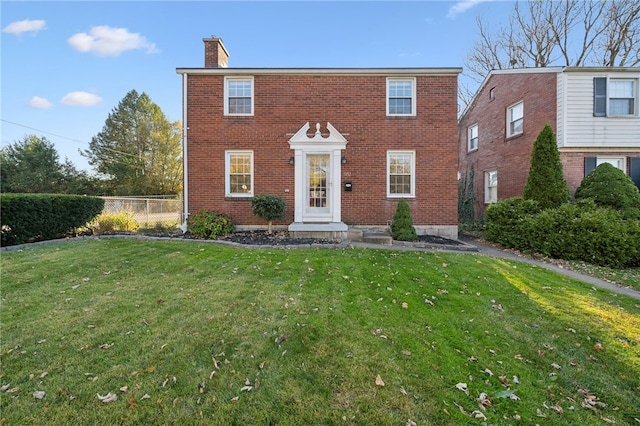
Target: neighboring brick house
{"x":593,"y":111}
{"x":340,"y":145}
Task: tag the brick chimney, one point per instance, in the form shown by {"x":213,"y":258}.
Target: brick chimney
{"x":215,"y":55}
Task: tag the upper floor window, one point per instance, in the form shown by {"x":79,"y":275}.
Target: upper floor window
{"x":401,"y":174}
{"x":238,"y":97}
{"x":515,"y":119}
{"x":614,"y":96}
{"x":401,"y":96}
{"x":239,"y":173}
{"x":472,"y":142}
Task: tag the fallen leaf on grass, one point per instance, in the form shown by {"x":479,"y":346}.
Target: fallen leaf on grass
{"x":235,"y":399}
{"x":110,"y":397}
{"x":4,"y":388}
{"x":124,"y":388}
{"x":132,"y":403}
{"x":478,"y":415}
{"x":38,"y":394}
{"x":556,"y":366}
{"x":145,"y":396}
{"x":463,"y":387}
{"x":106,"y":345}
{"x":405,"y":305}
{"x":379,"y":381}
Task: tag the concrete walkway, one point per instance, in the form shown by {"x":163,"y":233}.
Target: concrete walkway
{"x":487,"y":250}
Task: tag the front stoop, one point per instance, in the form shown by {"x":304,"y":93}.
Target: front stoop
{"x":377,"y":238}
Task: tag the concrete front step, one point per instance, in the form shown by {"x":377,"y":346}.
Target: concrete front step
{"x":377,"y":238}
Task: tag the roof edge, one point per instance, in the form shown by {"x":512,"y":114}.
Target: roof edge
{"x":327,"y":71}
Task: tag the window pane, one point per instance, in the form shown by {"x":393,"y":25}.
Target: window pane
{"x":621,"y":106}
{"x":516,"y":127}
{"x":239,"y":105}
{"x":240,"y":173}
{"x":400,"y":96}
{"x":516,"y":112}
{"x":621,"y":89}
{"x":400,"y":173}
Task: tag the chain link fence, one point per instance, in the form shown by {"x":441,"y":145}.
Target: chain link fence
{"x":147,"y":210}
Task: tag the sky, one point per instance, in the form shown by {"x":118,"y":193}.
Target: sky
{"x":65,"y":66}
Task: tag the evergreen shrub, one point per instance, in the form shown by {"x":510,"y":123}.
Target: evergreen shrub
{"x":505,"y":221}
{"x":36,"y":217}
{"x":609,"y":186}
{"x":402,"y":225}
{"x":210,"y":224}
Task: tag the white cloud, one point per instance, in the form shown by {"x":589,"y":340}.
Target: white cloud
{"x":84,"y":99}
{"x":462,"y":6}
{"x":106,"y":41}
{"x":26,"y":26}
{"x":39,"y":103}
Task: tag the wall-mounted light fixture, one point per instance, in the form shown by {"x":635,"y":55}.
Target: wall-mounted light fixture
{"x":343,"y":160}
{"x":292,"y":160}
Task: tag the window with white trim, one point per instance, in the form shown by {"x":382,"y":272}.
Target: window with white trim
{"x":472,"y":139}
{"x":615,"y":97}
{"x":515,"y":119}
{"x":491,"y":186}
{"x":239,"y":173}
{"x":238,"y":96}
{"x":401,"y":179}
{"x":401,"y":96}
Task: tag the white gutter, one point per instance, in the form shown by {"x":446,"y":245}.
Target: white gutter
{"x":185,"y":164}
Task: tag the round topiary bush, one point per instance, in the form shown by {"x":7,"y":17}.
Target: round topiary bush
{"x":269,"y":207}
{"x":608,"y":186}
{"x":402,"y":226}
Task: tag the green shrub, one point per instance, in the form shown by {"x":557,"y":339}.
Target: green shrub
{"x":505,"y":221}
{"x":586,"y":232}
{"x":402,"y":225}
{"x":115,"y":222}
{"x":546,"y":183}
{"x":269,"y":208}
{"x":36,"y":217}
{"x":209,"y":224}
{"x":608,"y":186}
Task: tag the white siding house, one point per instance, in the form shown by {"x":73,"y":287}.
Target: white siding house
{"x":607,"y":120}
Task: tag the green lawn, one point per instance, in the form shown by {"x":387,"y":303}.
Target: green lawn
{"x":187,"y":332}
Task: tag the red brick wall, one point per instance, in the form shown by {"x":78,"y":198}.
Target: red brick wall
{"x":509,"y":156}
{"x":356,"y":106}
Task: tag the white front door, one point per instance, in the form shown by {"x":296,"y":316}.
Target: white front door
{"x":318,"y":183}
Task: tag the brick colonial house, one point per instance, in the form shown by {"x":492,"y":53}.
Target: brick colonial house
{"x":340,"y":145}
{"x":594,"y":113}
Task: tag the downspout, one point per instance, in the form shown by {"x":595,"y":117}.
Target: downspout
{"x":185,"y":163}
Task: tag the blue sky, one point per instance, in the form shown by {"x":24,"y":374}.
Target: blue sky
{"x":66,"y":65}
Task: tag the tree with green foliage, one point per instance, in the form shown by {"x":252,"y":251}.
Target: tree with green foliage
{"x":32,"y":165}
{"x":609,"y":186}
{"x":138,"y":149}
{"x":269,"y":207}
{"x":546,"y":183}
{"x":402,"y":225}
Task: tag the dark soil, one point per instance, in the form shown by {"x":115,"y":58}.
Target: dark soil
{"x":281,"y":238}
{"x":276,"y":238}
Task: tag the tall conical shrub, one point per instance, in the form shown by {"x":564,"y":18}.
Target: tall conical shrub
{"x":546,"y":183}
{"x":402,"y":225}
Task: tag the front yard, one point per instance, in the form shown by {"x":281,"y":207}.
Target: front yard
{"x":117,"y":331}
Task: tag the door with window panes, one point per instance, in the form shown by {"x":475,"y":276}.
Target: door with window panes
{"x":317,"y":185}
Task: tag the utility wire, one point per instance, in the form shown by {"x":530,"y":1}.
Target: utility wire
{"x":65,"y":137}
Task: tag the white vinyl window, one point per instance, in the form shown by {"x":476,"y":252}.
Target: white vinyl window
{"x":491,"y":186}
{"x":238,"y":96}
{"x":239,"y":173}
{"x":472,"y":141}
{"x":515,"y":119}
{"x":615,"y":97}
{"x":621,"y":97}
{"x":401,"y":96}
{"x":401,"y":179}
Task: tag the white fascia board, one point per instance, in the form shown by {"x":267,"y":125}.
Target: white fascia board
{"x":321,"y":71}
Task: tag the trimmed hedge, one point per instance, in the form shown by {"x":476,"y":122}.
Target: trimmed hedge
{"x":36,"y":217}
{"x":506,"y":219}
{"x":609,"y":186}
{"x":574,"y":231}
